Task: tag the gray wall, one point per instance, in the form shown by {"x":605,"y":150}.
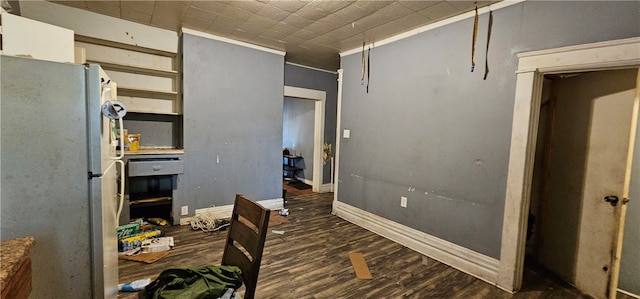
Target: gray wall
{"x":156,"y":130}
{"x":232,"y":123}
{"x":319,"y":80}
{"x":298,"y":133}
{"x":438,"y":134}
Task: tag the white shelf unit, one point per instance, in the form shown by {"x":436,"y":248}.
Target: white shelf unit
{"x":148,"y":79}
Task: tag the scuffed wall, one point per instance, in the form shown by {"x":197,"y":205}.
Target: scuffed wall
{"x":431,"y":131}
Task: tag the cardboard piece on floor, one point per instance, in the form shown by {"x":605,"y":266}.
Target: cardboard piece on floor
{"x":276,"y":219}
{"x":148,"y":258}
{"x":359,"y":265}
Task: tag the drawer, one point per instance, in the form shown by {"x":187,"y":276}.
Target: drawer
{"x":155,"y":167}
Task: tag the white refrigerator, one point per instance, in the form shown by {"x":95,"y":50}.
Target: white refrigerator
{"x":61,"y":174}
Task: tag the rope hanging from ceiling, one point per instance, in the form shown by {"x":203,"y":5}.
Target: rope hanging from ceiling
{"x":486,"y":59}
{"x":363,"y":65}
{"x":368,"y":68}
{"x":473,"y":43}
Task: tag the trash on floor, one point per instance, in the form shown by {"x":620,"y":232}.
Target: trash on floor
{"x":135,"y":241}
{"x":157,"y":221}
{"x":148,"y":258}
{"x":276,"y":219}
{"x":134,"y":286}
{"x":360,"y":265}
{"x":157,"y":244}
{"x":284,"y":212}
{"x":278,"y":232}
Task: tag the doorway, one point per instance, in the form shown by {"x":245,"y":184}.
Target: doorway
{"x":533,"y":66}
{"x":581,"y":157}
{"x":318,"y":98}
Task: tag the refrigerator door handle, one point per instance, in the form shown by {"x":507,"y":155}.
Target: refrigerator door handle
{"x":121,"y":193}
{"x":121,"y":155}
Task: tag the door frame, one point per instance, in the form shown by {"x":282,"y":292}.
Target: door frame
{"x":320,"y":98}
{"x":532,"y":66}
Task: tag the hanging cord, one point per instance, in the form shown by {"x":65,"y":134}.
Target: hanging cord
{"x":486,"y":59}
{"x":473,"y":44}
{"x":368,"y":68}
{"x":363,"y":65}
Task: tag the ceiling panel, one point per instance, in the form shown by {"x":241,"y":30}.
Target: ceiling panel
{"x":311,"y":32}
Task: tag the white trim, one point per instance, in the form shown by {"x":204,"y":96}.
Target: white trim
{"x":470,"y":14}
{"x":461,"y":258}
{"x":629,"y":294}
{"x":531,"y":69}
{"x":572,"y":58}
{"x":336,"y":162}
{"x":224,"y":212}
{"x":325,"y":188}
{"x":230,"y":41}
{"x":311,"y":68}
{"x":319,"y":97}
{"x":304,"y":93}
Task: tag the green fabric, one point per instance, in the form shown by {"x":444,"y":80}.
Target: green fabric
{"x":206,"y":282}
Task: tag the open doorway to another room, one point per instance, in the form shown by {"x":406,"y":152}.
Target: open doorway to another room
{"x":297,"y":142}
{"x":302,"y":140}
{"x":580,"y":161}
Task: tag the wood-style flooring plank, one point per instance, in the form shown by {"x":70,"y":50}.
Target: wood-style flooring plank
{"x":310,"y":260}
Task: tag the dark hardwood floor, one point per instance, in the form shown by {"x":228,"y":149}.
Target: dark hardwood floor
{"x":310,"y":260}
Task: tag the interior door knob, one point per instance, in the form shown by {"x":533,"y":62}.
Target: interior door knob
{"x":612,"y":199}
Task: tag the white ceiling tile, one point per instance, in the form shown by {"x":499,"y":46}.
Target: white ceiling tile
{"x":195,"y":23}
{"x":373,"y":6}
{"x":418,"y":5}
{"x":288,"y":5}
{"x":250,"y":6}
{"x":144,"y":7}
{"x":382,"y":16}
{"x":312,"y":12}
{"x":224,"y":25}
{"x":257,"y":24}
{"x":297,"y":21}
{"x":273,"y":12}
{"x":136,"y":17}
{"x":105,"y":7}
{"x":236,"y":13}
{"x":331,"y":5}
{"x":199,"y":13}
{"x":439,"y":11}
{"x":215,"y":6}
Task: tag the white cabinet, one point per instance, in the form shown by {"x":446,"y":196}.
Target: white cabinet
{"x":28,"y":38}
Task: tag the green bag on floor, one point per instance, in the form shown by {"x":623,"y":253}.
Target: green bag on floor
{"x":206,"y":282}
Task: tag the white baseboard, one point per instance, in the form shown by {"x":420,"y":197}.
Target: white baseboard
{"x":629,"y":294}
{"x":223,"y":212}
{"x":461,"y":258}
{"x":325,"y":188}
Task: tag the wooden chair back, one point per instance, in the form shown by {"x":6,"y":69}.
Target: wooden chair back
{"x":245,"y":241}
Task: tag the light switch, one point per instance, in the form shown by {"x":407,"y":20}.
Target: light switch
{"x":346,"y":133}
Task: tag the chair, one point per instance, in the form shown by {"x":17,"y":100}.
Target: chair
{"x":245,"y":241}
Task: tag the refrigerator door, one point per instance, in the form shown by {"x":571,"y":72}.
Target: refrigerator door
{"x":103,"y":193}
{"x":44,"y":172}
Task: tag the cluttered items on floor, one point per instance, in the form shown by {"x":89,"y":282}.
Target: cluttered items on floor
{"x":195,"y":282}
{"x":143,"y":241}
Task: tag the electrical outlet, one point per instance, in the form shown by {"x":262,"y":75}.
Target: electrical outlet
{"x":403,"y":202}
{"x":184,"y":210}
